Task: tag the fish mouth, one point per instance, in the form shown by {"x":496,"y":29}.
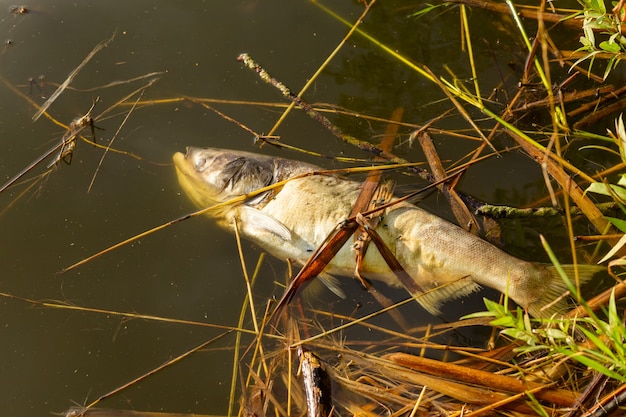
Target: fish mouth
{"x":184,"y":162}
{"x":183,"y":165}
{"x":190,"y":181}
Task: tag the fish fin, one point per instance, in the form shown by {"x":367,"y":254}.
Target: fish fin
{"x":552,"y":301}
{"x":256,"y":219}
{"x":323,"y":283}
{"x":332,"y":284}
{"x":431,"y":300}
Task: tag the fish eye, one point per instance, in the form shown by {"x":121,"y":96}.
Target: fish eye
{"x":200,"y":163}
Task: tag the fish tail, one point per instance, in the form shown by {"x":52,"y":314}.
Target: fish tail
{"x":554,"y":299}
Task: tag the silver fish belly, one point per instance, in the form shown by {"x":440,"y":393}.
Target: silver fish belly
{"x":290,"y":222}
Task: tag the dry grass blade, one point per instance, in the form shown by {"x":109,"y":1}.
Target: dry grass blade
{"x":110,"y":144}
{"x":155,"y":370}
{"x":459,"y":107}
{"x":71,"y":76}
{"x":238,"y":200}
{"x":329,"y":58}
{"x":154,"y":74}
{"x":34,"y":182}
{"x":30,"y":166}
{"x":125,"y":315}
{"x":104,"y":412}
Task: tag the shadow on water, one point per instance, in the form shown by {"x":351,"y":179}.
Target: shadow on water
{"x":79,"y":336}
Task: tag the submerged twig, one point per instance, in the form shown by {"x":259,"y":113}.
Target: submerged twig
{"x":507,"y":212}
{"x":459,"y":209}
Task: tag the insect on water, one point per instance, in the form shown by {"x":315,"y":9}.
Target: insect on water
{"x":68,"y":141}
{"x":19,"y":10}
{"x":39,"y":83}
{"x":64,"y":149}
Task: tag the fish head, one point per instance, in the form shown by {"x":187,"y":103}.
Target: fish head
{"x":210,"y":175}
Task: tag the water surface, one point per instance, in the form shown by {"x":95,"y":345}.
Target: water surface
{"x":53,"y":357}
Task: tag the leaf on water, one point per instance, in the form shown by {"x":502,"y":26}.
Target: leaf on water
{"x":620,"y":243}
{"x":607,"y":189}
{"x":520,"y":335}
{"x":619,"y":223}
{"x":610,"y":46}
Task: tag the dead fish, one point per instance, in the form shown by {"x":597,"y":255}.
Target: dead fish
{"x":290,"y":222}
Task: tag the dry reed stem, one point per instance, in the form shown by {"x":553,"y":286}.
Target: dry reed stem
{"x":327,"y":61}
{"x":73,"y":131}
{"x":464,"y":374}
{"x":226,"y":204}
{"x":155,"y":370}
{"x":536,"y":151}
{"x":71,"y":76}
{"x":64,"y":306}
{"x":104,"y":412}
{"x":140,"y":91}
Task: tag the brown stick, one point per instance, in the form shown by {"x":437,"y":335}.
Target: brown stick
{"x":459,"y":209}
{"x":527,"y":13}
{"x":486,"y":379}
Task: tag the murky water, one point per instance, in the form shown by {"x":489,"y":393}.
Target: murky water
{"x":52,"y":357}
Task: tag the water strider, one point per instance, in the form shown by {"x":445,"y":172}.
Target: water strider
{"x":290,"y":222}
{"x":64,"y":149}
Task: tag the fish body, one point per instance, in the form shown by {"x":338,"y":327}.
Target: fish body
{"x":291,"y":221}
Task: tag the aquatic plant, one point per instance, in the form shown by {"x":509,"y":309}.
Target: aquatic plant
{"x":596,"y":20}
